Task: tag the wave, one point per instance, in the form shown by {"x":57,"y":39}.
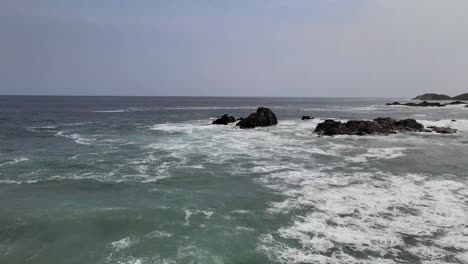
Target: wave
{"x":14,"y":161}
{"x":77,"y":138}
{"x":459,"y":124}
{"x":111,"y":111}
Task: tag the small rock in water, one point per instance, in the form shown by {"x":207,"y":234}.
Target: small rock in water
{"x":224,"y":120}
{"x":262,"y":117}
{"x":306,"y":118}
{"x":443,"y":130}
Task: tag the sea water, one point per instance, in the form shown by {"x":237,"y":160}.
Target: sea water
{"x":139,"y":180}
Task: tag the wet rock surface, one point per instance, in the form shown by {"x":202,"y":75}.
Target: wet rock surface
{"x":261,"y":118}
{"x":379,"y":126}
{"x":224,"y":120}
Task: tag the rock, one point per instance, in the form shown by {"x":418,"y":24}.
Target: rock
{"x":379,"y":126}
{"x":261,"y":118}
{"x":423,"y":104}
{"x":443,"y":130}
{"x":456,"y":103}
{"x":433,"y":96}
{"x":461,"y":97}
{"x":224,"y":120}
{"x":306,"y":118}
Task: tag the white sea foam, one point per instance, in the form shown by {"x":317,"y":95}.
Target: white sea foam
{"x":111,"y":111}
{"x":460,"y":124}
{"x":76,"y":137}
{"x":366,"y":213}
{"x":158,"y":234}
{"x":14,"y":161}
{"x":378,"y":153}
{"x":189,"y":213}
{"x":123,"y":243}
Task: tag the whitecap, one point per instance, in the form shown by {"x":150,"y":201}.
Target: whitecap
{"x":158,"y":234}
{"x":76,"y":137}
{"x":123,"y":243}
{"x":110,"y":111}
{"x":14,"y":161}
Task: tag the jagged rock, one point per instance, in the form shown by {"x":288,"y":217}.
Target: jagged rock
{"x":262,"y":117}
{"x":433,"y":96}
{"x":306,"y":118}
{"x":379,"y":126}
{"x":224,"y":120}
{"x":443,"y":130}
{"x":394,"y":103}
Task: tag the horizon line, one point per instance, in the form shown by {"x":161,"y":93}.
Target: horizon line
{"x":200,"y":96}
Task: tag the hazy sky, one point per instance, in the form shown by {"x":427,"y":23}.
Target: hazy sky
{"x":352,"y":48}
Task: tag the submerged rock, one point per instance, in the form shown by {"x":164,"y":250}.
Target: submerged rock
{"x":379,"y":126}
{"x":224,"y":120}
{"x":443,"y":130}
{"x":306,"y":118}
{"x":261,"y":118}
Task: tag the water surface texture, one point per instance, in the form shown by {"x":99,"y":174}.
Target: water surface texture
{"x":136,"y":180}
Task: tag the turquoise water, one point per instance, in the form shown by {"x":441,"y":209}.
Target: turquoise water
{"x":149,"y":180}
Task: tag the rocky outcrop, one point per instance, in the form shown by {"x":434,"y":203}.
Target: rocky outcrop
{"x":379,"y":126}
{"x":306,"y":118}
{"x":261,"y":118}
{"x":461,"y":97}
{"x":423,"y":104}
{"x":443,"y":130}
{"x":433,"y":96}
{"x":224,"y":120}
{"x":428,"y":104}
{"x":456,"y":103}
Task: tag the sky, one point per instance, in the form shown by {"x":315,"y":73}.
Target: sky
{"x":300,"y":48}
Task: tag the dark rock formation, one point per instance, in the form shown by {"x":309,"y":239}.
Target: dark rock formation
{"x":379,"y":126}
{"x":428,"y":104}
{"x":443,"y":130}
{"x":262,"y":117}
{"x":461,"y":97}
{"x":433,"y":96}
{"x":224,"y":120}
{"x":456,"y":103}
{"x":306,"y":118}
{"x":423,"y":104}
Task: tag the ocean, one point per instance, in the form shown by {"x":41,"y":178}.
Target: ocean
{"x":136,"y":180}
